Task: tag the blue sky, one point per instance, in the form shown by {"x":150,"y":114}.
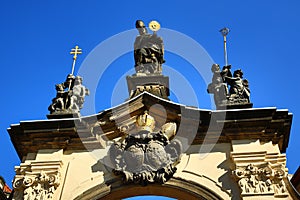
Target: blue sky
{"x":36,"y":37}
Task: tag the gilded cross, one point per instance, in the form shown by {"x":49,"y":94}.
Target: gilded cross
{"x":76,"y":51}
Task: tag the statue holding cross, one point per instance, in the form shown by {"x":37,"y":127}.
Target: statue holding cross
{"x":71,"y":93}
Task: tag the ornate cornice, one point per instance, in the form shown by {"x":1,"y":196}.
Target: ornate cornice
{"x":222,"y":126}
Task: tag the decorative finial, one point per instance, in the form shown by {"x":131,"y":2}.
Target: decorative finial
{"x":224,"y":31}
{"x":75,"y":51}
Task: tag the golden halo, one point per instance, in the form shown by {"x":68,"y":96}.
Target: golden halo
{"x":154,"y":26}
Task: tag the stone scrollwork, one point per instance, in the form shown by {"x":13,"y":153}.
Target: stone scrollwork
{"x":35,"y":184}
{"x":145,"y":156}
{"x":257,"y":180}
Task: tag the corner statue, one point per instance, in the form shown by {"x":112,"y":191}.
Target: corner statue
{"x":238,"y":95}
{"x":69,"y":96}
{"x":148,"y":49}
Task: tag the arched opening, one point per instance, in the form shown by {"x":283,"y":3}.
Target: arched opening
{"x":149,"y":197}
{"x":157,"y":190}
{"x":174,"y":188}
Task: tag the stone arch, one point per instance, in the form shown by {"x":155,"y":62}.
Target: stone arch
{"x":174,"y":188}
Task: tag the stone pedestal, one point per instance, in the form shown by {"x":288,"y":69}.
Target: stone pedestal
{"x":62,"y":115}
{"x":234,"y":106}
{"x":154,"y":83}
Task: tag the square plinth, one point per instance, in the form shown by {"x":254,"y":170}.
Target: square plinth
{"x":142,"y":80}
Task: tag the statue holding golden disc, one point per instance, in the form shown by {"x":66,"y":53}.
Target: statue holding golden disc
{"x":148,"y":49}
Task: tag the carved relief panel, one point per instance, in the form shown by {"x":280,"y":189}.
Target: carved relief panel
{"x":264,"y":175}
{"x":36,"y":180}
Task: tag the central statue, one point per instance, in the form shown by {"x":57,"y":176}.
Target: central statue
{"x":148,"y":49}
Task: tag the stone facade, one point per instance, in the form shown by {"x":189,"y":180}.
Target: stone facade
{"x":150,"y":145}
{"x":230,"y":154}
